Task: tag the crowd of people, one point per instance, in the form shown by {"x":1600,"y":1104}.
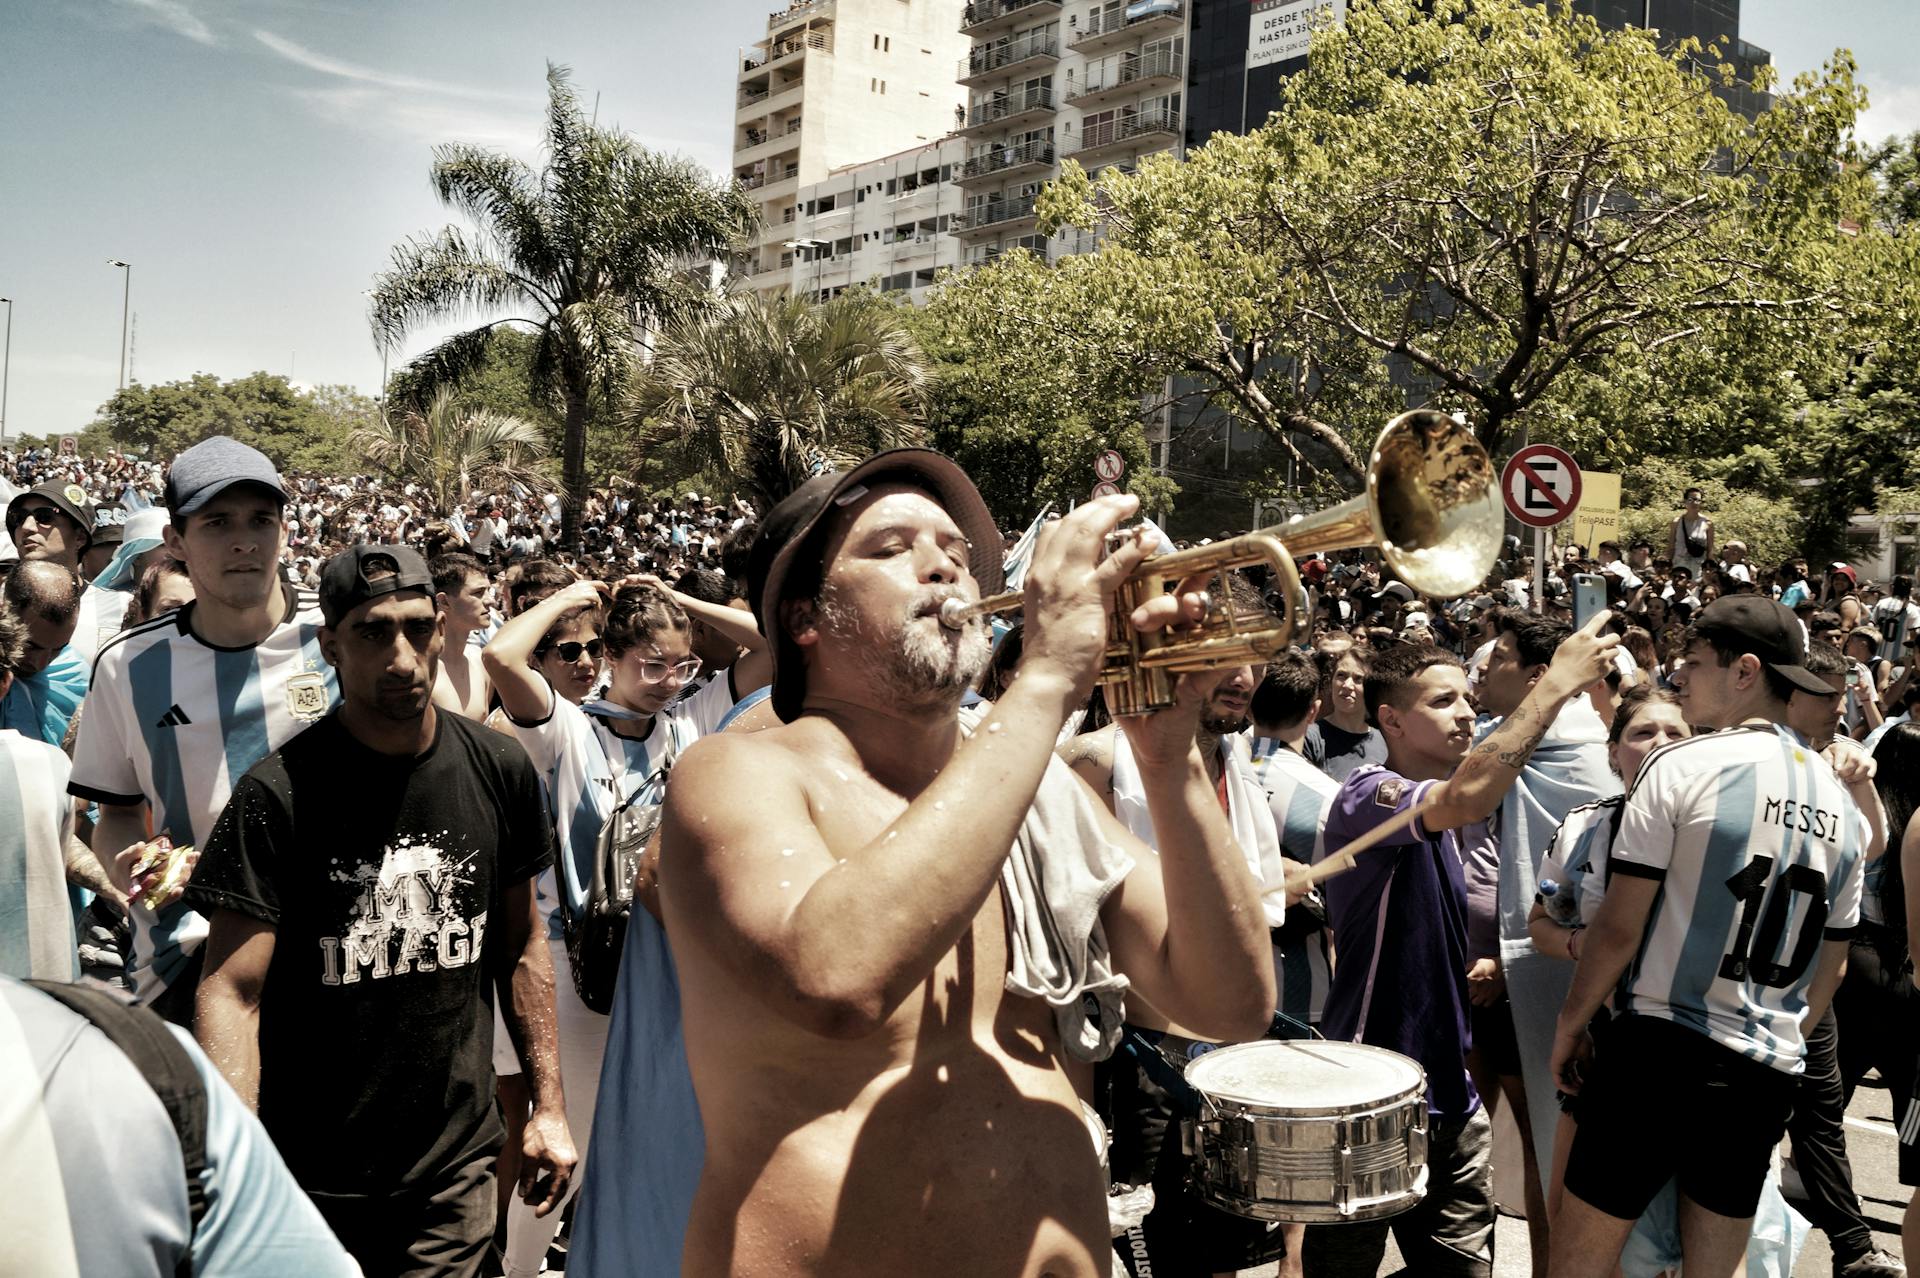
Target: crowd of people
{"x":697,"y":889}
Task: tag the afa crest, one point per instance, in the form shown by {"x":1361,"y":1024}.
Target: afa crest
{"x":307,"y":696}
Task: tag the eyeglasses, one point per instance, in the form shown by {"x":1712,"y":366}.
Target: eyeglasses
{"x":42,"y":515}
{"x":570,"y":651}
{"x":654,"y":671}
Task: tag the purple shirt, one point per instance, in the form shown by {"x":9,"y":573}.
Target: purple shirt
{"x":1399,"y":920}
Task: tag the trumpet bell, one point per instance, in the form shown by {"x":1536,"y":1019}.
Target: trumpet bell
{"x":1435,"y":503}
{"x":1431,"y":507}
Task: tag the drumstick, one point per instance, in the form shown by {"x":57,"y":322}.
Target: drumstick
{"x":1343,"y":860}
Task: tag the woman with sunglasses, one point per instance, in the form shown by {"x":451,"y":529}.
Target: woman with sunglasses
{"x":597,"y":754}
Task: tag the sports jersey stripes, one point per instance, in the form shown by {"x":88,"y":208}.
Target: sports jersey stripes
{"x":173,"y":721}
{"x":36,"y":921}
{"x":1759,"y":852}
{"x":1573,"y":874}
{"x":1300,"y":796}
{"x":590,"y":771}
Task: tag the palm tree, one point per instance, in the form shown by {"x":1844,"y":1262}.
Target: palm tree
{"x":590,"y":248}
{"x":450,"y":452}
{"x":760,"y":394}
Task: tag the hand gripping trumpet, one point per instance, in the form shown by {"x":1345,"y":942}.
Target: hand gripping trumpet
{"x":1432,"y":509}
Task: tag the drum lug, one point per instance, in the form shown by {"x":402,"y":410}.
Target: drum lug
{"x":1417,"y":1145}
{"x":1189,"y":1138}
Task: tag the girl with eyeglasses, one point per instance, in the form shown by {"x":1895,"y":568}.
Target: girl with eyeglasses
{"x":597,"y":753}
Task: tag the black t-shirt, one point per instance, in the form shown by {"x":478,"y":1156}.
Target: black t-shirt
{"x":1340,"y":753}
{"x":383,"y":878}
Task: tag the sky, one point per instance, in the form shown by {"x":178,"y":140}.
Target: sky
{"x":256,"y":160}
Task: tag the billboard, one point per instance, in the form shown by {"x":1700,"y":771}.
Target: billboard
{"x":1282,"y":29}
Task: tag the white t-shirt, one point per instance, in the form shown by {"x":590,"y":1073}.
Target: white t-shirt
{"x":1759,"y":852}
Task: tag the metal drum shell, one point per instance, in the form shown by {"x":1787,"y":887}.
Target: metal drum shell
{"x":1335,"y":1163}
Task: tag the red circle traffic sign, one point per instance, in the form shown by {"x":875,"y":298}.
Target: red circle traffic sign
{"x":1105,"y":489}
{"x":1109,"y":466}
{"x":1541,"y":485}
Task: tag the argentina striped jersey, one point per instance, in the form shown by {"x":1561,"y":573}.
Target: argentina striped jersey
{"x":36,"y":920}
{"x":1573,"y":874}
{"x":1759,"y":851}
{"x":172,"y":721}
{"x":1300,"y":796}
{"x":590,"y":771}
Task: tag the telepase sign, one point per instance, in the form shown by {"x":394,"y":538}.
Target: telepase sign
{"x":1282,"y":29}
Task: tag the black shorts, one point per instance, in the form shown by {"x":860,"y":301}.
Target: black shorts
{"x":1494,"y":1038}
{"x":1665,"y":1102}
{"x":1183,"y":1235}
{"x":1908,"y":1124}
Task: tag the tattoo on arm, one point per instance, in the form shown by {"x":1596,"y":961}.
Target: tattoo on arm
{"x":1501,"y":745}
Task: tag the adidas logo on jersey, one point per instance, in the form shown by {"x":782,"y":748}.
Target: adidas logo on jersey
{"x":175,"y":717}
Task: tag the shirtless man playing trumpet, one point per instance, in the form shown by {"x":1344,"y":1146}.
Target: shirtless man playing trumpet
{"x":881,"y":1093}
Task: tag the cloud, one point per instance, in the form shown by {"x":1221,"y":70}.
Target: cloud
{"x":175,"y":17}
{"x":1891,"y":109}
{"x":387,"y":103}
{"x":325,"y":65}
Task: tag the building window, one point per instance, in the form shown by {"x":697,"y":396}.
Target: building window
{"x":886,"y":45}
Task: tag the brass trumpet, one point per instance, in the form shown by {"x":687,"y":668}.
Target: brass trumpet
{"x":1432,"y":508}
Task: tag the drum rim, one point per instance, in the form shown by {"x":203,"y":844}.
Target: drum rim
{"x":1225,"y":1104}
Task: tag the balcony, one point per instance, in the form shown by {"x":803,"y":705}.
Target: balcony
{"x":989,"y":60}
{"x":799,"y":44}
{"x":1129,"y":73}
{"x":1000,"y":162}
{"x":801,"y":11}
{"x":985,"y":16}
{"x":1009,"y":109}
{"x":1149,"y":130}
{"x":758,"y":106}
{"x":993,"y":215}
{"x":1113,"y":28}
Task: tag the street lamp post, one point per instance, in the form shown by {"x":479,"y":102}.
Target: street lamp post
{"x":126,"y":300}
{"x":6,"y":371}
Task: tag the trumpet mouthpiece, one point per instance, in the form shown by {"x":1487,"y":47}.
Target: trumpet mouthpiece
{"x":954,"y":613}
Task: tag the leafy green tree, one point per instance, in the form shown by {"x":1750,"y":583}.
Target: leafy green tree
{"x":760,"y":393}
{"x":502,"y":381}
{"x":1493,"y":198}
{"x":1895,"y":166}
{"x":1025,"y":422}
{"x":299,"y":430}
{"x":451,"y":451}
{"x":591,"y":247}
{"x":1749,"y":496}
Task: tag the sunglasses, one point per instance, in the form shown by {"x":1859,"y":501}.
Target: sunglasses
{"x":571,"y":651}
{"x":42,"y":515}
{"x":653,"y":671}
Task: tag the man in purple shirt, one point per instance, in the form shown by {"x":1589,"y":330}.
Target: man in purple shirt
{"x":1399,"y":918}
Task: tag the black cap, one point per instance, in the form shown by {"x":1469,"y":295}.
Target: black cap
{"x":1763,"y":627}
{"x":788,"y":527}
{"x":344,"y":585}
{"x":109,"y":525}
{"x":71,"y":499}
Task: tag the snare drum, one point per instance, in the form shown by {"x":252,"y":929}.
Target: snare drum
{"x":1309,"y":1131}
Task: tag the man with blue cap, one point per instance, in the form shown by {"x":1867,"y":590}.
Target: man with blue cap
{"x":183,"y":705}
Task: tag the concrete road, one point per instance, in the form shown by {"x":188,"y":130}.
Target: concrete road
{"x":1871,"y":1148}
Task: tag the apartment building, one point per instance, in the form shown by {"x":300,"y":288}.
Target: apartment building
{"x":1102,"y":81}
{"x":834,"y":83}
{"x":883,"y":224}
